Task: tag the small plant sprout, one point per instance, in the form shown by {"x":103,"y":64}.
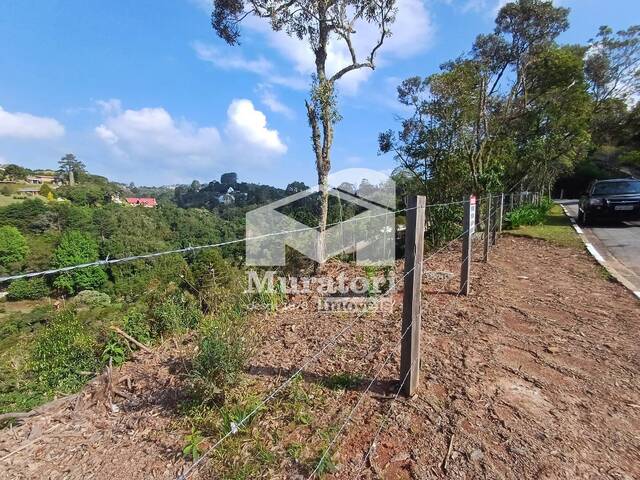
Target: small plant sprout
{"x":192,"y":449}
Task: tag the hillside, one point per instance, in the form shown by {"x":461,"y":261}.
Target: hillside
{"x":518,"y":379}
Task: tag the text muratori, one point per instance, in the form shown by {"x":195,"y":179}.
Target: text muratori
{"x":269,"y":282}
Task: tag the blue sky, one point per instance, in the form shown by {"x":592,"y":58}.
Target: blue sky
{"x":143,"y":90}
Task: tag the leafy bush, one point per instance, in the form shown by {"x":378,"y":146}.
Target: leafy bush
{"x":28,"y":289}
{"x":77,"y":248}
{"x":215,"y":280}
{"x":176,"y":313}
{"x":13,"y":246}
{"x":529,"y":214}
{"x":223,"y":351}
{"x":22,"y":214}
{"x":92,"y":298}
{"x":136,"y":325}
{"x":63,"y":351}
{"x":114,"y":351}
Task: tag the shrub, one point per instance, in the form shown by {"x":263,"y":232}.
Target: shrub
{"x":176,"y":313}
{"x":13,"y":246}
{"x":77,"y":248}
{"x":63,"y":351}
{"x":22,"y":214}
{"x":529,"y":214}
{"x":215,"y":280}
{"x":28,"y":289}
{"x":136,"y":325}
{"x":92,"y":298}
{"x":45,"y":190}
{"x":223,"y":351}
{"x":114,"y":351}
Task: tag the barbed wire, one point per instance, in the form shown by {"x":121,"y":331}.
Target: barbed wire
{"x":363,"y":394}
{"x":274,"y":392}
{"x":114,"y":261}
{"x":387,"y":415}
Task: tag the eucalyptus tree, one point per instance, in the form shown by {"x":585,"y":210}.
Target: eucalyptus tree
{"x":462,"y":129}
{"x":319,"y":22}
{"x":613,"y":65}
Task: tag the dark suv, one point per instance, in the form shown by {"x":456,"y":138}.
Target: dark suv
{"x":617,"y":199}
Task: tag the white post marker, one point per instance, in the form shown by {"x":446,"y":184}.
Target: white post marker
{"x":469,"y":226}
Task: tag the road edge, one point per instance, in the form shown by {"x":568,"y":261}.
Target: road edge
{"x":598,"y":257}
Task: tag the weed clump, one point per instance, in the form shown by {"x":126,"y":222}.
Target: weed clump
{"x":64,"y":352}
{"x":222,"y":353}
{"x":33,"y":289}
{"x":529,"y":214}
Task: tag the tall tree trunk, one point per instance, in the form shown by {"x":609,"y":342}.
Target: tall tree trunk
{"x":321,"y":122}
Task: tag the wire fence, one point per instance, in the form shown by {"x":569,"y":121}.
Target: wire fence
{"x":323,"y":349}
{"x":190,"y":249}
{"x":495,"y":211}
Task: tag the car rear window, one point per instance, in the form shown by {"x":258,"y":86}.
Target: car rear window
{"x":616,"y":188}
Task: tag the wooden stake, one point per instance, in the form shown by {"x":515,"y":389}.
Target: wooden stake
{"x":142,"y":346}
{"x":411,"y":307}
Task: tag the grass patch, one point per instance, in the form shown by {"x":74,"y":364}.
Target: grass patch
{"x":555,"y":228}
{"x":342,"y":381}
{"x":8,"y":200}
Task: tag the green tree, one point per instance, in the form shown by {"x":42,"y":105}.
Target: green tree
{"x":77,"y":248}
{"x":71,"y":167}
{"x":318,"y":23}
{"x":45,"y":190}
{"x":16,"y":172}
{"x":613,"y":64}
{"x":470,"y":119}
{"x":13,"y":246}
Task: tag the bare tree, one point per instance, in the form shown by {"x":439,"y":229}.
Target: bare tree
{"x":319,"y":22}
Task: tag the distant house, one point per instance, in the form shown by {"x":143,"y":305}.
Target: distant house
{"x":31,"y":191}
{"x":41,"y":179}
{"x":227,"y":198}
{"x":146,"y":202}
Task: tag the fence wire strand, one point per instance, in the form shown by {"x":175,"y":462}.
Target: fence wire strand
{"x":363,"y":394}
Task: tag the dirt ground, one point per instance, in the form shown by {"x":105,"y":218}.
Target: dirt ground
{"x":534,"y":375}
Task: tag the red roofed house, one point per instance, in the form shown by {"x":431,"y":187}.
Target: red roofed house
{"x":144,"y":201}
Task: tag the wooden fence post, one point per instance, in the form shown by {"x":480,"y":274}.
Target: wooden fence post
{"x":469,"y":226}
{"x":487,"y":229}
{"x":411,"y":307}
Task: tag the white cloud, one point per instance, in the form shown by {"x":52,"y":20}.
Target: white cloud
{"x":231,"y":59}
{"x":152,"y":134}
{"x":270,"y":99}
{"x":412,"y":34}
{"x":489,"y":7}
{"x":111,"y":106}
{"x":27,"y":126}
{"x":249,"y":125}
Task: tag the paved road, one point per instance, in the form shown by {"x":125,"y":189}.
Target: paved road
{"x":617,"y":242}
